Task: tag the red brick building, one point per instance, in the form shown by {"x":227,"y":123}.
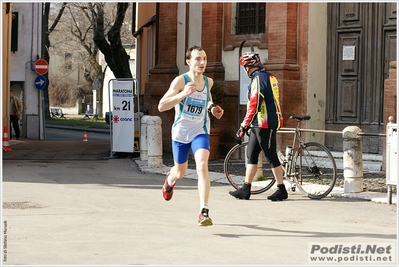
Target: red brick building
{"x":330,"y":60}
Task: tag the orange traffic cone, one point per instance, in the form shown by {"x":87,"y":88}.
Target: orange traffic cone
{"x":84,"y":136}
{"x":6,"y":144}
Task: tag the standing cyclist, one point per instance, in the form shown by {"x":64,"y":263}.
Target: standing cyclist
{"x":190,"y":95}
{"x":264,"y":118}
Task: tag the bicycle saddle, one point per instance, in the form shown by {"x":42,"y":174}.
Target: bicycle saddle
{"x":301,"y":118}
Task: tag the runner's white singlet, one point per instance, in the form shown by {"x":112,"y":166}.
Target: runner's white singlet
{"x":191,"y":115}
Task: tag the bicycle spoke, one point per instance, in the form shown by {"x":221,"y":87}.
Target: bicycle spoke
{"x":316,"y":170}
{"x":234,"y":168}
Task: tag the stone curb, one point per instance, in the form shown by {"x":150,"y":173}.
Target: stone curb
{"x":220,"y":178}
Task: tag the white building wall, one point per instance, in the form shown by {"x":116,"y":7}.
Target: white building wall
{"x":23,"y":74}
{"x":181,"y":35}
{"x":29,"y":38}
{"x":317,"y":73}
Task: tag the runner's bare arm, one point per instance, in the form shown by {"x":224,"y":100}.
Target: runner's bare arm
{"x":176,"y":93}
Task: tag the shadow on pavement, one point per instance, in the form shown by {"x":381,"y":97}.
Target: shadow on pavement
{"x":56,"y":150}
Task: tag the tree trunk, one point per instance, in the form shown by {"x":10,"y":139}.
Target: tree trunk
{"x":114,"y":52}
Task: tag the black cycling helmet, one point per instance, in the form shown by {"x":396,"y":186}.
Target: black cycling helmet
{"x":250,"y":60}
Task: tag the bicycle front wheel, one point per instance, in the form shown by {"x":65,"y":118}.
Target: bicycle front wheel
{"x":316,"y":171}
{"x":235,"y":167}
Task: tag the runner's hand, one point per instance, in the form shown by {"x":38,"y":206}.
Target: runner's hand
{"x":217,"y":111}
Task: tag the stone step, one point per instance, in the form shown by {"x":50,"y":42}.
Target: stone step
{"x":366,"y":157}
{"x":371,"y":162}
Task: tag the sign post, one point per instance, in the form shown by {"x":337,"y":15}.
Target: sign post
{"x":41,"y":68}
{"x":95,"y":89}
{"x":122,"y":107}
{"x":243,"y":81}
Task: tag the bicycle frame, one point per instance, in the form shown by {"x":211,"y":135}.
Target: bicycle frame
{"x":309,"y":166}
{"x":287,"y":161}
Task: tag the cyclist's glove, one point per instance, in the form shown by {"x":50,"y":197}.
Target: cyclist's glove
{"x":240,"y":133}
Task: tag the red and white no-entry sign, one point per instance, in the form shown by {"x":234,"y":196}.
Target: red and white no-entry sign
{"x":41,"y":66}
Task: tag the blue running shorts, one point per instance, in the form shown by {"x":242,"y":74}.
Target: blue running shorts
{"x":181,"y":151}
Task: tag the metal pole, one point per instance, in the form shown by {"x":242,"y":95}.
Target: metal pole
{"x":239,"y":109}
{"x":239,"y":76}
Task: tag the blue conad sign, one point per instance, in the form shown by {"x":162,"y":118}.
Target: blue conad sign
{"x":126,"y":119}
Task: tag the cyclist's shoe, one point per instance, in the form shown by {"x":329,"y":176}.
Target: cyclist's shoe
{"x":280,"y":194}
{"x":204,"y":219}
{"x":243,"y":193}
{"x":167,"y":190}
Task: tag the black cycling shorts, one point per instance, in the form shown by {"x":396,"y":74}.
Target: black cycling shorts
{"x":264,"y":140}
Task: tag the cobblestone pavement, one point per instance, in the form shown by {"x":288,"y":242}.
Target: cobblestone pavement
{"x":372,"y":182}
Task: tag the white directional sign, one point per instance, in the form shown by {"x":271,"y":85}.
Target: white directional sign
{"x":122,"y":108}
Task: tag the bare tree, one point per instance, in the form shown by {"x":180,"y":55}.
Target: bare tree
{"x":86,"y":24}
{"x":46,"y":55}
{"x":83,"y":32}
{"x":113,"y":50}
{"x":69,"y":62}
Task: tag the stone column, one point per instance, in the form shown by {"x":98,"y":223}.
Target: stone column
{"x":352,"y":160}
{"x":154,"y":141}
{"x":212,"y":32}
{"x":390,"y":102}
{"x":284,"y":34}
{"x":165,"y":69}
{"x":143,"y":138}
{"x":391,"y":147}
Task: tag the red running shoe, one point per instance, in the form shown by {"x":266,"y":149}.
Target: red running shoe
{"x":167,"y":190}
{"x":204,"y":219}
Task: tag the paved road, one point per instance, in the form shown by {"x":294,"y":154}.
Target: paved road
{"x":57,"y":132}
{"x":65,"y":134}
{"x":64,"y":204}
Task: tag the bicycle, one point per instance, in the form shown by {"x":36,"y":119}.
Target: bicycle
{"x":310,"y":167}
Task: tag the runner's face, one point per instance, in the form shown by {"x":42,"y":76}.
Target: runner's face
{"x":198,"y":61}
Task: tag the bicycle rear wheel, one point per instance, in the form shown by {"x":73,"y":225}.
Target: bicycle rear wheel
{"x":235,"y":167}
{"x":316,"y":171}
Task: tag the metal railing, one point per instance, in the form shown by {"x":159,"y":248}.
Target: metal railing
{"x":329,"y":131}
